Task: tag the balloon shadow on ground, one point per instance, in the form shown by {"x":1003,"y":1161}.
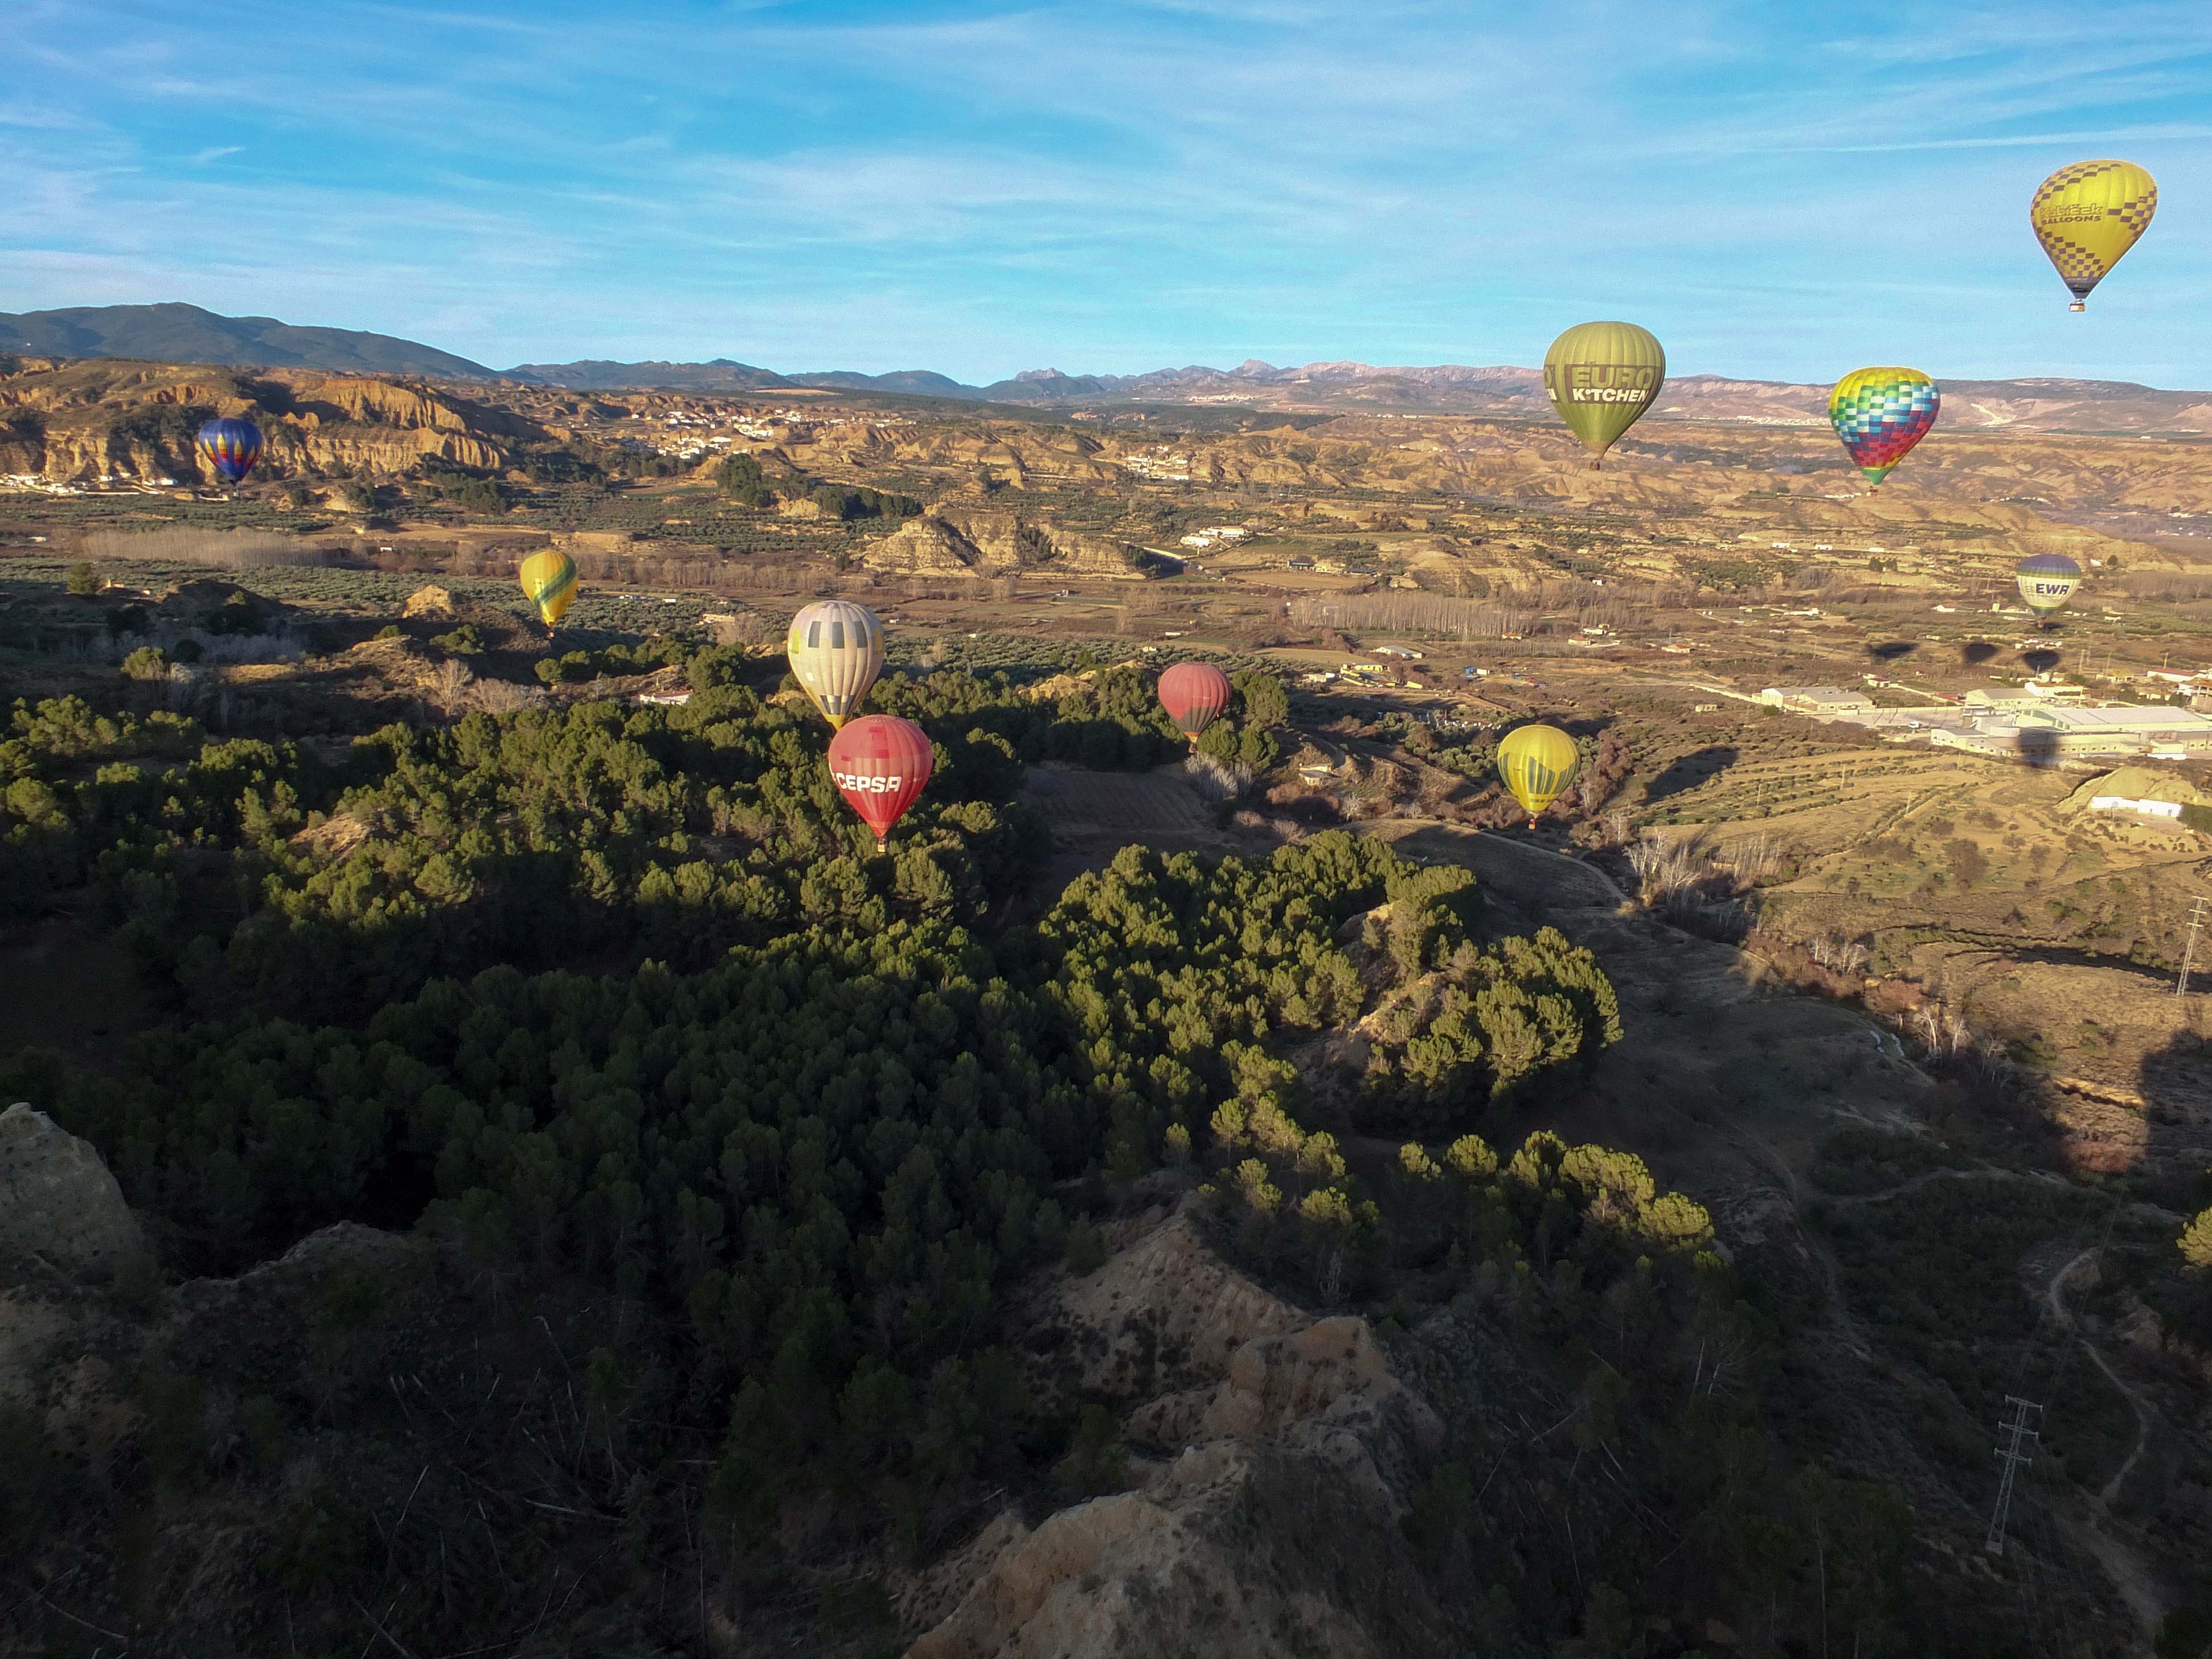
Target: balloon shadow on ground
{"x":1891,"y":650}
{"x":1691,"y":770}
{"x":1974,"y":652}
{"x":2041,"y":659}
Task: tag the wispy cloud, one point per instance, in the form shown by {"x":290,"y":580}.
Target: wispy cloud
{"x":978,"y":185}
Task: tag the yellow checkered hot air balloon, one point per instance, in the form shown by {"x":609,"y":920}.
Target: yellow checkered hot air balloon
{"x":1537,"y":762}
{"x":836,"y":650}
{"x":548,"y":581}
{"x":2088,"y":213}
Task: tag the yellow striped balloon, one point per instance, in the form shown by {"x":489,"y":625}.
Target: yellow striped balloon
{"x":548,"y":581}
{"x":2086,"y":216}
{"x":836,"y":650}
{"x":1537,"y":762}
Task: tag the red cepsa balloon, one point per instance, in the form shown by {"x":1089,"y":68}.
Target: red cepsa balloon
{"x":1193,"y":693}
{"x":880,"y":764}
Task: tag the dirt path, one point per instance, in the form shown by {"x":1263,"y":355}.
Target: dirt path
{"x":2055,"y":1294}
{"x":1569,"y":880}
{"x":2140,"y":1585}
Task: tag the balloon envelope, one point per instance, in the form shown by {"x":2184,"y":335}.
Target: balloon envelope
{"x":880,"y":764}
{"x":1195,"y":694}
{"x":1601,"y":377}
{"x":1537,"y":761}
{"x":1881,"y":413}
{"x":2047,"y":580}
{"x":548,"y":581}
{"x":836,"y":650}
{"x":231,"y":446}
{"x":2087,"y":215}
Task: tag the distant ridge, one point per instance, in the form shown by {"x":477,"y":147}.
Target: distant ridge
{"x":598,"y":374}
{"x":186,"y":334}
{"x":176,"y":333}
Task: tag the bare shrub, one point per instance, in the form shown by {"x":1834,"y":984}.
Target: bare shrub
{"x":1751,"y":860}
{"x":746,"y":628}
{"x":1416,"y":613}
{"x":1696,"y":886}
{"x":1665,"y":868}
{"x":505,"y":696}
{"x":1943,"y":1032}
{"x":1218,"y":780}
{"x":1838,"y":955}
{"x":216,"y":550}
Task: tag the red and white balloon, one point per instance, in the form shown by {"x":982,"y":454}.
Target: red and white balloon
{"x":880,"y":764}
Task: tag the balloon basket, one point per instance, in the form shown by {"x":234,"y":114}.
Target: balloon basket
{"x":2078,"y":304}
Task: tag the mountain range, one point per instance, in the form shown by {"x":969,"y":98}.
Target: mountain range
{"x":184,"y":333}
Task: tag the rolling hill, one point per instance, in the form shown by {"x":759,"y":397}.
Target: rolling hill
{"x":176,"y":333}
{"x":186,"y":334}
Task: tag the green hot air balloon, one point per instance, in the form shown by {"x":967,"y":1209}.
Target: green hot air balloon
{"x":1601,"y":377}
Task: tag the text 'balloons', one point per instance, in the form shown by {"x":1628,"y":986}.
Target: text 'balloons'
{"x":1601,"y":377}
{"x":2087,"y":215}
{"x":880,"y":764}
{"x":548,"y":581}
{"x":1880,"y":414}
{"x":1537,"y":762}
{"x":836,"y":650}
{"x":1195,"y":694}
{"x":231,"y":446}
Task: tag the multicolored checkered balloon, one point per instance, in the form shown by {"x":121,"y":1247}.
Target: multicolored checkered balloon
{"x":1880,"y":413}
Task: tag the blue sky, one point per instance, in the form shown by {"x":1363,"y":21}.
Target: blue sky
{"x":1778,"y":189}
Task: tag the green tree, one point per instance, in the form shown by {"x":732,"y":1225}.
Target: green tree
{"x":740,"y":478}
{"x":83,"y":581}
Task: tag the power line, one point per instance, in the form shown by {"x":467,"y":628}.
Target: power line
{"x":2018,"y":1427}
{"x":2188,"y":955}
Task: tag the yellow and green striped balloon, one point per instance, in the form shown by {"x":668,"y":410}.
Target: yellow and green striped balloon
{"x":548,"y":581}
{"x":1537,"y":762}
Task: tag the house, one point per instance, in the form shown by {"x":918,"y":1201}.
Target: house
{"x":2141,"y":808}
{"x":1817,"y":699}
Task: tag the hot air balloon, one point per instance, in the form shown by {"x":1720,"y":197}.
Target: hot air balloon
{"x":1601,"y":377}
{"x":1193,"y":693}
{"x":880,"y":764}
{"x":548,"y":581}
{"x":2089,"y":214}
{"x":1881,"y":413}
{"x":836,"y":650}
{"x":1537,"y":761}
{"x":2046,"y":581}
{"x":231,"y":446}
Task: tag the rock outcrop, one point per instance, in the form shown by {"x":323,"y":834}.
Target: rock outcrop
{"x":960,"y":538}
{"x":1272,"y":1525}
{"x":58,"y":1199}
{"x":83,"y":421}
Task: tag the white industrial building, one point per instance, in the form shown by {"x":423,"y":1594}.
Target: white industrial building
{"x":2148,"y":809}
